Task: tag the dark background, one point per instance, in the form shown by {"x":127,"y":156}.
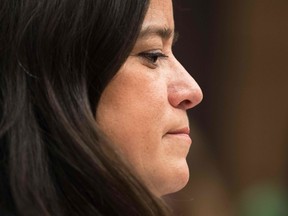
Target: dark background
{"x":238,"y":53}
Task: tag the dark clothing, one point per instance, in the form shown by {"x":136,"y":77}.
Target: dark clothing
{"x":5,"y":213}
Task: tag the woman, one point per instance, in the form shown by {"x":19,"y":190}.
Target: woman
{"x":93,"y":107}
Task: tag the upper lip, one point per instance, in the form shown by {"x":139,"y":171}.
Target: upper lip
{"x":184,"y":130}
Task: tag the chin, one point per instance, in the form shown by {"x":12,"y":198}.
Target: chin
{"x":177,"y":181}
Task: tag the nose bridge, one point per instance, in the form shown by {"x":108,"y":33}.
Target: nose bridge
{"x":184,"y":91}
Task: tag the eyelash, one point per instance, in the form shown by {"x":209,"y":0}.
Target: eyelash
{"x":152,"y":57}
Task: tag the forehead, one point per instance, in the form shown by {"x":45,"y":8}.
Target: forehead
{"x":160,"y":13}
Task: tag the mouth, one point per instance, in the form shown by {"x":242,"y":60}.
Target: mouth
{"x":180,"y":134}
{"x":183,"y":131}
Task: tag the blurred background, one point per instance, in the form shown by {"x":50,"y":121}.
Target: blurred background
{"x":238,"y":53}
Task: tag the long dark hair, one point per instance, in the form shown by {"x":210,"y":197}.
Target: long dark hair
{"x":56,"y":57}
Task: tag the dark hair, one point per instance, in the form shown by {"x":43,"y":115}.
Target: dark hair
{"x":56,"y":57}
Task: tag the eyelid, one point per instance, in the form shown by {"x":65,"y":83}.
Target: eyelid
{"x":153,"y":53}
{"x":152,"y":56}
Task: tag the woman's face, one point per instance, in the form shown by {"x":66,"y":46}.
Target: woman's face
{"x":143,"y":108}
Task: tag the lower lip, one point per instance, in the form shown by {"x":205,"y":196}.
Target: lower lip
{"x":181,"y":136}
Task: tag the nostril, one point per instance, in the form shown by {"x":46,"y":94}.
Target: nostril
{"x":190,"y":99}
{"x":186,"y":104}
{"x":184,"y":98}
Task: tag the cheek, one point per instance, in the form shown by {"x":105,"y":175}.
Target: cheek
{"x":131,"y":109}
{"x":134,"y":112}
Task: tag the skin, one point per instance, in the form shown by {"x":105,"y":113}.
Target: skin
{"x":143,"y":109}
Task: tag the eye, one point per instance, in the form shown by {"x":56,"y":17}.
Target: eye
{"x":152,"y":57}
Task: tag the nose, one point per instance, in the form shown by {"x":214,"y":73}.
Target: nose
{"x":183,"y":91}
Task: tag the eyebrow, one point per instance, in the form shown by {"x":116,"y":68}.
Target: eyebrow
{"x":164,"y":33}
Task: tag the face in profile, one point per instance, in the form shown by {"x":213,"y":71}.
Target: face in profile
{"x":143,"y":108}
